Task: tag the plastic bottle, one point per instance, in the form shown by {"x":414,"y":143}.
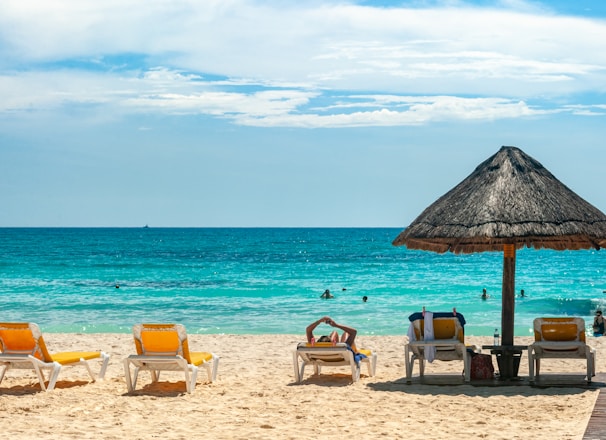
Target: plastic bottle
{"x":496,"y":337}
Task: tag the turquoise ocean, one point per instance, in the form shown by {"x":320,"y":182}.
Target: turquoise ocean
{"x":269,"y":280}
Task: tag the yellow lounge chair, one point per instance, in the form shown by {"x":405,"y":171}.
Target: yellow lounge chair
{"x":164,"y":347}
{"x":559,"y":338}
{"x":448,"y":342}
{"x":326,"y":354}
{"x":22,"y":346}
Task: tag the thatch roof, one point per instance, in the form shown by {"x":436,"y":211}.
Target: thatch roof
{"x":509,"y":198}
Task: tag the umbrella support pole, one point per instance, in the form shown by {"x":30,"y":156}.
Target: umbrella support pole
{"x":508,"y":360}
{"x":507,"y":369}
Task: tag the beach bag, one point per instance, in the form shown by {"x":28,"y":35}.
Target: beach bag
{"x":481,"y":366}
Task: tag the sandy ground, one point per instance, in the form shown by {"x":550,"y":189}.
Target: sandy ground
{"x":255,"y":397}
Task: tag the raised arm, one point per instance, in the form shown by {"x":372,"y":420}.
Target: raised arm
{"x":311,"y":327}
{"x":351,"y":332}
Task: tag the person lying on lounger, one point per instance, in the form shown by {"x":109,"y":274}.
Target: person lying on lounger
{"x":348,"y":336}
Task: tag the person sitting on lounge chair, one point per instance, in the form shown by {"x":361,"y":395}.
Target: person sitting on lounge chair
{"x":348,"y":336}
{"x":598,"y":324}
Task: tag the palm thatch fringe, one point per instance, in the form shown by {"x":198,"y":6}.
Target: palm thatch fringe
{"x":509,"y":198}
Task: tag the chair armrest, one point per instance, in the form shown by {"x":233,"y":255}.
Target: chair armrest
{"x":558,"y":345}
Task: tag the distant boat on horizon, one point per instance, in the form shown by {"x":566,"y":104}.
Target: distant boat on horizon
{"x":146,"y":227}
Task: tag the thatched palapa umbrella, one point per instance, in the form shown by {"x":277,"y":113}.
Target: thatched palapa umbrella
{"x":508,"y":202}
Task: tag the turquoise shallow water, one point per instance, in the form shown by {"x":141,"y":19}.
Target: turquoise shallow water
{"x":269,"y":280}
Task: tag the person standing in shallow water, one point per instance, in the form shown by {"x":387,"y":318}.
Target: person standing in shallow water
{"x":484,"y":294}
{"x":598,"y":324}
{"x":327,"y":295}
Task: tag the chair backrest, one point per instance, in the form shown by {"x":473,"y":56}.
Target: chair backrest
{"x":443,"y":328}
{"x":161,"y":340}
{"x":23,"y":338}
{"x":559,"y":329}
{"x":325,"y":351}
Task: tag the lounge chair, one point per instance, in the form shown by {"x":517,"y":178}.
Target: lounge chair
{"x":331,"y":355}
{"x":562,"y":338}
{"x":22,"y":347}
{"x":446,"y":344}
{"x":164,"y":347}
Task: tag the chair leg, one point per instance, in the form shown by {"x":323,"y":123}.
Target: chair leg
{"x":4,"y":368}
{"x":41,"y":378}
{"x":530,"y":364}
{"x":593,"y":363}
{"x":191,"y":376}
{"x":104,"y":364}
{"x":129,"y":382}
{"x":372,"y":364}
{"x":355,"y":372}
{"x":590,"y":366}
{"x":408,"y":362}
{"x":187,"y":379}
{"x":302,"y":371}
{"x":295,"y":363}
{"x":211,"y":368}
{"x":53,"y":375}
{"x":87,"y":366}
{"x":135,"y":377}
{"x":215,"y":368}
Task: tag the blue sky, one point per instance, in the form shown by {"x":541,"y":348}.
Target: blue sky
{"x":287,"y":113}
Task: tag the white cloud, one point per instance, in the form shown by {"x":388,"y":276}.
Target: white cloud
{"x":419,"y":110}
{"x":277,"y":61}
{"x":162,"y":91}
{"x":260,"y":104}
{"x":587,"y":110}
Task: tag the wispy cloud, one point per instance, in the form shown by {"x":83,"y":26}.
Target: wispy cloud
{"x":309,"y":64}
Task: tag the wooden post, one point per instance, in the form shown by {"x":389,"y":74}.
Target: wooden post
{"x":508,"y":304}
{"x":508,"y":294}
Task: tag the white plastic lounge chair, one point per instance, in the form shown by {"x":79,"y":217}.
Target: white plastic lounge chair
{"x":559,"y":338}
{"x":164,"y":347}
{"x":446,"y":344}
{"x":326,"y":354}
{"x":22,"y":346}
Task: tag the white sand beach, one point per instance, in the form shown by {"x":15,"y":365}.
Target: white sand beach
{"x":255,"y":397}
